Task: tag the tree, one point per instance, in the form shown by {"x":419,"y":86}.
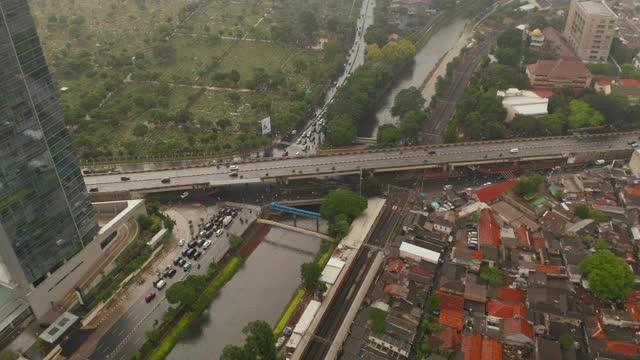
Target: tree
{"x":433,"y":303}
{"x":341,"y":227}
{"x":388,"y":135}
{"x":566,"y":342}
{"x":586,"y":212}
{"x":609,"y":276}
{"x":407,"y":100}
{"x":140,"y":130}
{"x":342,"y":201}
{"x":182,"y":293}
{"x":492,"y":275}
{"x":165,"y":54}
{"x":510,"y":38}
{"x":235,"y":240}
{"x":378,"y":318}
{"x":310,"y":274}
{"x":308,"y":23}
{"x":341,"y":131}
{"x":582,"y":115}
{"x":581,"y":211}
{"x":528,"y":184}
{"x":260,"y":341}
{"x":508,"y":56}
{"x":411,"y":123}
{"x":374,"y":53}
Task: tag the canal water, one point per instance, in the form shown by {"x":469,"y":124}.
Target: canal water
{"x":425,"y":61}
{"x":259,"y":291}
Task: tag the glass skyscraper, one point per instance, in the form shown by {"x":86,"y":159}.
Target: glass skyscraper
{"x":45,"y":213}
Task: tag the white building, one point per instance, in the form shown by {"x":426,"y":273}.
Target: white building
{"x":523,"y":102}
{"x":417,"y":253}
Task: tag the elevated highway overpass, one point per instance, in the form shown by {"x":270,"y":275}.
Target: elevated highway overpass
{"x":569,"y":148}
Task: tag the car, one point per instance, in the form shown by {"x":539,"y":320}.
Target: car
{"x":197,"y":255}
{"x":191,"y":252}
{"x":182,"y":262}
{"x":208,"y":226}
{"x":635,"y":145}
{"x":125,"y":178}
{"x":171,"y":273}
{"x":187,"y":266}
{"x":181,"y":242}
{"x":299,"y":141}
{"x":514,"y":150}
{"x":219,"y":232}
{"x":150,"y":296}
{"x":200,"y":242}
{"x":233,"y":174}
{"x":176,"y":261}
{"x":206,"y":245}
{"x":165,"y":180}
{"x":93,"y":189}
{"x":233,"y":168}
{"x":286,"y":153}
{"x":192,"y":244}
{"x":184,"y":195}
{"x":432,"y":152}
{"x":447,"y":187}
{"x":185,"y":251}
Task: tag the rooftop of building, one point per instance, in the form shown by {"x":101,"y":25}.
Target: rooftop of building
{"x":596,"y":8}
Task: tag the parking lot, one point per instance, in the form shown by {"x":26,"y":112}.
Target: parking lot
{"x":127,"y":334}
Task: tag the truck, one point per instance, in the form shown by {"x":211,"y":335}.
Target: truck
{"x":227,"y":220}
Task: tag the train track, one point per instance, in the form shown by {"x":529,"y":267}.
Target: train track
{"x":337,"y":310}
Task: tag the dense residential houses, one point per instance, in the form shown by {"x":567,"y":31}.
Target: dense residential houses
{"x":498,"y":276}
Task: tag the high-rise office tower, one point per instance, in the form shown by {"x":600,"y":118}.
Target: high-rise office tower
{"x":590,"y":29}
{"x":45,"y":213}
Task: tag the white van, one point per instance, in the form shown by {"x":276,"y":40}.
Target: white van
{"x":206,"y":245}
{"x":233,"y":168}
{"x":219,"y":232}
{"x":160,"y":284}
{"x":514,"y":151}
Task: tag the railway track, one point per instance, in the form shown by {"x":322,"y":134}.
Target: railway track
{"x":337,"y":310}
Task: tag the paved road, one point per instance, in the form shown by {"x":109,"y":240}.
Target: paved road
{"x":129,"y":332}
{"x":253,"y":172}
{"x":356,"y":58}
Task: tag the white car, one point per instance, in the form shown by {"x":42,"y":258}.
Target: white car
{"x":181,"y":242}
{"x":514,"y":151}
{"x":184,"y":195}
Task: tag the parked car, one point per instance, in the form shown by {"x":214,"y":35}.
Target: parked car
{"x":93,"y":189}
{"x":206,"y":245}
{"x":200,"y":242}
{"x":165,"y":180}
{"x":170,"y":273}
{"x":192,"y":243}
{"x":125,"y":178}
{"x":150,"y":296}
{"x":197,"y":255}
{"x":181,"y":242}
{"x":219,"y":232}
{"x":185,"y":251}
{"x":182,"y":262}
{"x":184,"y":195}
{"x":187,"y":266}
{"x":160,"y":284}
{"x":176,"y":261}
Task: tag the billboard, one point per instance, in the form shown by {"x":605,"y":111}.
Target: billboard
{"x":266,"y":125}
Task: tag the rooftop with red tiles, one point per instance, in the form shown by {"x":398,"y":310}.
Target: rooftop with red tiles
{"x":488,"y":228}
{"x":452,"y":318}
{"x":495,"y":191}
{"x":633,"y":305}
{"x":395,"y":265}
{"x":449,"y":337}
{"x":420,"y":270}
{"x":514,"y":326}
{"x":491,"y":349}
{"x":505,"y":309}
{"x":549,"y":269}
{"x":477,"y":255}
{"x":621,"y":347}
{"x":523,"y":235}
{"x":594,"y":327}
{"x":507,"y":293}
{"x":472,"y":347}
{"x":450,"y":301}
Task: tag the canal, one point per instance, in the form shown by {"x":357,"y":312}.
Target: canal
{"x":425,"y":61}
{"x":259,"y":291}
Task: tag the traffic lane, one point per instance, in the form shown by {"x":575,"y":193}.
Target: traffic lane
{"x":366,"y":160}
{"x":188,"y":178}
{"x":129,"y":342}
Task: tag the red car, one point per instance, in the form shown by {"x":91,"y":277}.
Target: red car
{"x":150,"y":296}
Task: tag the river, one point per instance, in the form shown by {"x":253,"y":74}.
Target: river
{"x":259,"y":291}
{"x":425,"y":61}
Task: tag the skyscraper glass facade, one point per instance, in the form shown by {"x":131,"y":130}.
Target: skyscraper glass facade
{"x":45,"y":213}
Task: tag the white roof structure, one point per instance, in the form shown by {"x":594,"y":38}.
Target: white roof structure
{"x":154,"y":240}
{"x":471,"y":208}
{"x":596,"y":8}
{"x":332,"y":270}
{"x":58,"y":328}
{"x":294,"y":341}
{"x":306,"y":318}
{"x":417,"y":252}
{"x":523,"y":102}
